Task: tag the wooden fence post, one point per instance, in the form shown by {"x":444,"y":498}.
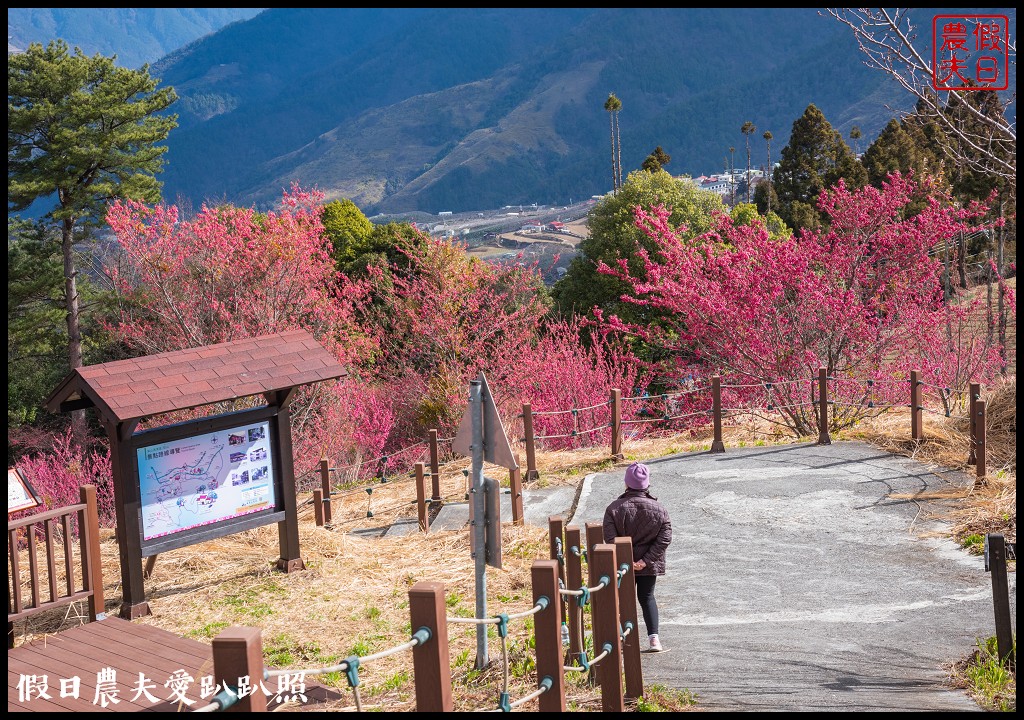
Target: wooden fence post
{"x":515,"y":484}
{"x":573,"y":581}
{"x":916,"y":406}
{"x":421,"y":498}
{"x":602,"y":566}
{"x":435,"y":468}
{"x":318,"y":507}
{"x":717,"y":446}
{"x":980,"y":441}
{"x":556,"y":544}
{"x":628,"y":614}
{"x":325,"y":485}
{"x":431,"y":664}
{"x":547,"y":631}
{"x":593,"y":534}
{"x":823,"y":437}
{"x":995,"y":563}
{"x":92,"y":562}
{"x":237,"y":654}
{"x":531,"y":449}
{"x":616,"y":424}
{"x":974,"y":397}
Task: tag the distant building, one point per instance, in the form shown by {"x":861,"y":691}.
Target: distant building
{"x":714,"y":183}
{"x":556,"y":226}
{"x":530,"y":228}
{"x":444,"y":213}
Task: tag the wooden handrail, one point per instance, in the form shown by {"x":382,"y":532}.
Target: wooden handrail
{"x":91,"y":567}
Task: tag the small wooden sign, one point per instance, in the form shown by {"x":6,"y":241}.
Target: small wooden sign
{"x":20,"y":493}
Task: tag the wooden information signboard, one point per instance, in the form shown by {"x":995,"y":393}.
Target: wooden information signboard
{"x":20,"y":493}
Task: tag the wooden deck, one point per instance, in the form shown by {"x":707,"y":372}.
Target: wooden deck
{"x":129,"y":649}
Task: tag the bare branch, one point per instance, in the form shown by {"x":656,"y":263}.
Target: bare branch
{"x":887,"y":40}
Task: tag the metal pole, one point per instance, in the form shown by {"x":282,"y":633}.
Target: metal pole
{"x":479,"y":524}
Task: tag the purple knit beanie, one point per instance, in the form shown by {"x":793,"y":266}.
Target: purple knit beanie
{"x":637,"y":476}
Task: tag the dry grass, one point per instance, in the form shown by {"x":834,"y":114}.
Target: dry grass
{"x":353,"y":597}
{"x":986,"y":506}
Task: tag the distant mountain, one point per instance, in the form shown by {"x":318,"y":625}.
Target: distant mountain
{"x":135,"y":35}
{"x":430,"y":109}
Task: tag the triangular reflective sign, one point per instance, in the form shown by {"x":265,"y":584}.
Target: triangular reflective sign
{"x":497,"y":449}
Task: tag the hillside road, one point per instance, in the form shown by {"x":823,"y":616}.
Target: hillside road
{"x":797,"y":582}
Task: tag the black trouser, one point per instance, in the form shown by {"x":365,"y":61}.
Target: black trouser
{"x":645,"y":596}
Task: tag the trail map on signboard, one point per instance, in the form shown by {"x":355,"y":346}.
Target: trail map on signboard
{"x":205,"y":478}
{"x":20,"y":493}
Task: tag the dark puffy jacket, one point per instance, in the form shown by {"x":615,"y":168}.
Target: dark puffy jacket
{"x":638,"y":515}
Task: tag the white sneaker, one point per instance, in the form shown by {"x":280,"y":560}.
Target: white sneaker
{"x":655,"y":643}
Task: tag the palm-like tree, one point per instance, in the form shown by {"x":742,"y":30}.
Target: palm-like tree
{"x":856,"y":135}
{"x":732,"y":174}
{"x":748,"y":129}
{"x":612,"y":105}
{"x":768,"y":141}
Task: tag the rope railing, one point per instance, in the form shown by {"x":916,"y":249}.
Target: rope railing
{"x":350,"y":666}
{"x":541,"y":604}
{"x":501,"y":621}
{"x":571,"y":410}
{"x":889,"y":381}
{"x":221,"y":701}
{"x":355,"y":661}
{"x":236,"y":651}
{"x":545,"y":685}
{"x":585,"y":592}
{"x":945,"y":413}
{"x":667,"y":418}
{"x":665,"y":396}
{"x":374,"y":461}
{"x":574,"y":433}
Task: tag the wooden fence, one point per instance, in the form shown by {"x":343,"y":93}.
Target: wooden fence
{"x":426,"y":475}
{"x":823,"y":402}
{"x":55,"y":528}
{"x":609,"y":592}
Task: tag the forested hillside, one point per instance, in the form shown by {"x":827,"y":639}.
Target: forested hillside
{"x":402,"y":109}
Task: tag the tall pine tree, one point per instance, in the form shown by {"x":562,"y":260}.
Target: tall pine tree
{"x":815,"y":158}
{"x":81,"y":131}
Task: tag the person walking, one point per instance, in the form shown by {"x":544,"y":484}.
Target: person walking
{"x":638,"y":515}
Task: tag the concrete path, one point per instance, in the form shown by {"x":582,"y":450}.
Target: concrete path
{"x":796,"y":583}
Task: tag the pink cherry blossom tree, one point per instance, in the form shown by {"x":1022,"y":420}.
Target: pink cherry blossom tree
{"x":862,"y":299}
